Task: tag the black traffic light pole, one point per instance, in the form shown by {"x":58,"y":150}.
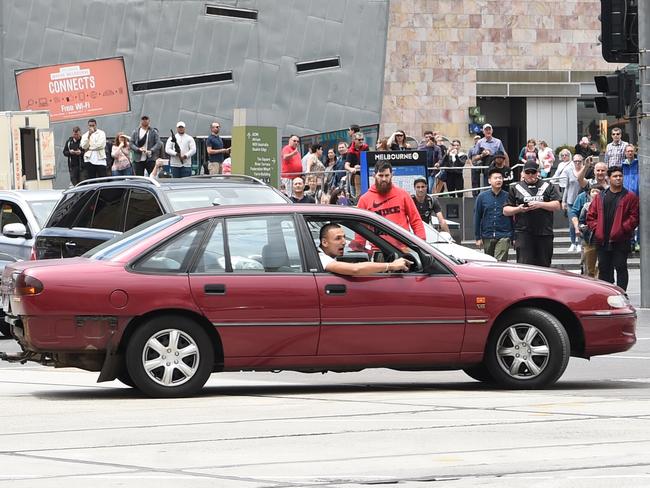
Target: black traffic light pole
{"x":644,"y":150}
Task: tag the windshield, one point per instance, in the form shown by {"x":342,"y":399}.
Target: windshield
{"x":42,"y":209}
{"x":116,"y":245}
{"x":182,"y":199}
{"x":433,"y":236}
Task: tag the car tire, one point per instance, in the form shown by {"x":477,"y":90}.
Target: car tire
{"x":5,"y":328}
{"x":169,"y":356}
{"x":125,"y":378}
{"x":528,"y":348}
{"x":479,"y":372}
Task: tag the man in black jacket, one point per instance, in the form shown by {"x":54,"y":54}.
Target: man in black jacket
{"x":72,"y":150}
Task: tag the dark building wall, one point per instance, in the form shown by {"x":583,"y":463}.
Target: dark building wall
{"x":166,"y":39}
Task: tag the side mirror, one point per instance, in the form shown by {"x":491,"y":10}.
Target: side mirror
{"x":14,"y":230}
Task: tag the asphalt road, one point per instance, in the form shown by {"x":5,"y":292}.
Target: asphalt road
{"x":58,"y":428}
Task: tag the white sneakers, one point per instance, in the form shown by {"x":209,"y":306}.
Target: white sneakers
{"x":578,"y":248}
{"x":575,"y":248}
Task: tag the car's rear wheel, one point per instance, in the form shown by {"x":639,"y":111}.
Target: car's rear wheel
{"x":479,"y":372}
{"x":529,"y":348}
{"x":169,"y":356}
{"x":5,"y":328}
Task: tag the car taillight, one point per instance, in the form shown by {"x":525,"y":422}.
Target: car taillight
{"x":32,"y":255}
{"x":26,"y":285}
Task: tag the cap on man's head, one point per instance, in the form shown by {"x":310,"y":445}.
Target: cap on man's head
{"x":530,"y":165}
{"x":420,"y":179}
{"x":486,"y":126}
{"x":499,"y":155}
{"x":180,"y":124}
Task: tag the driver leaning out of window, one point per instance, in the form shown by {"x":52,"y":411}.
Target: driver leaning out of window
{"x":332,"y":244}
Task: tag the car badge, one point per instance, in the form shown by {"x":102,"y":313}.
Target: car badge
{"x":480,"y":303}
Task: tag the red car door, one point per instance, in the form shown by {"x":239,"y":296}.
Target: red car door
{"x":390,"y":314}
{"x":250,"y":284}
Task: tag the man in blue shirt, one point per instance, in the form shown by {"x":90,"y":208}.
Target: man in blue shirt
{"x":216,"y":151}
{"x":486,"y":148}
{"x":630,"y":167}
{"x":492,"y":229}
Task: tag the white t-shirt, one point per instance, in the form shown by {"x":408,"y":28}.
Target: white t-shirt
{"x":325,"y":260}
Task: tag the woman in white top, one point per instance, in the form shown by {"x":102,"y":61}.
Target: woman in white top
{"x":560,"y":177}
{"x":575,"y":173}
{"x":546,"y":158}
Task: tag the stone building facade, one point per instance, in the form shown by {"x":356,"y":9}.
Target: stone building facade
{"x":528,"y":64}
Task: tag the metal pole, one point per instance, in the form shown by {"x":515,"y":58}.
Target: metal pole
{"x":644,"y":150}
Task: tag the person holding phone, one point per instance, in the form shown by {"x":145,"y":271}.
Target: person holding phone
{"x":532,"y":202}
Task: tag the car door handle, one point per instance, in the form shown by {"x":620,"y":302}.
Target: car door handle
{"x":335,"y":289}
{"x":70,"y":244}
{"x":214,"y":289}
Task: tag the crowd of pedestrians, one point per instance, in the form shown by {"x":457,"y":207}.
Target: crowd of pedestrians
{"x":515,"y":209}
{"x":92,"y":154}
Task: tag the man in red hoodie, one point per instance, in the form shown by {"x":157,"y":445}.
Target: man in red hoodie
{"x":613,"y":215}
{"x":391,"y":202}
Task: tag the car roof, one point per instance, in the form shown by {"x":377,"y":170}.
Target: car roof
{"x":166,"y":184}
{"x":257,"y":209}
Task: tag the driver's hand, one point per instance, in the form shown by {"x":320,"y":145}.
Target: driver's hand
{"x":400,"y":264}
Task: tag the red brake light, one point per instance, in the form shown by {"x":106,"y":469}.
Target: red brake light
{"x":27,"y":285}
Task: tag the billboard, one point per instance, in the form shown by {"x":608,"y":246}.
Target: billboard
{"x":76,"y":90}
{"x":407,"y":166}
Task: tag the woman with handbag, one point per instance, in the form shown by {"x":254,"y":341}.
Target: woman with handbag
{"x":121,"y":153}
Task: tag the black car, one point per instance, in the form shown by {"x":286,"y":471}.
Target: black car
{"x":97,"y":210}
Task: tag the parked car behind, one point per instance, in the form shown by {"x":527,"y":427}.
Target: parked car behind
{"x":233,"y":288}
{"x":22,"y":214}
{"x":97,"y":210}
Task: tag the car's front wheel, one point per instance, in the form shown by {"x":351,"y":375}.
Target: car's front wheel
{"x":169,"y":356}
{"x":528,"y":348}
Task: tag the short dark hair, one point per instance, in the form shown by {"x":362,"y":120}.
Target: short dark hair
{"x":427,"y":132}
{"x":355,"y":128}
{"x":326,"y":228}
{"x":144,"y":117}
{"x":383,"y":165}
{"x":92,"y":120}
{"x":614,"y":169}
{"x":76,"y":128}
{"x":420,"y":179}
{"x":315,"y":147}
{"x":494,"y":169}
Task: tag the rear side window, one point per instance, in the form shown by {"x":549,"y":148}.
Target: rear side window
{"x":104,"y":212}
{"x":142,"y":207}
{"x":69,"y":208}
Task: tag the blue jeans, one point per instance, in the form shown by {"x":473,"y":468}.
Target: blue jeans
{"x":181,"y":172}
{"x":122,"y":172}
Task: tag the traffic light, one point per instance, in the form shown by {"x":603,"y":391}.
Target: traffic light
{"x":619,"y":30}
{"x":619,"y":91}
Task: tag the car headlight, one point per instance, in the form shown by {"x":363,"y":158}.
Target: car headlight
{"x":618,"y":301}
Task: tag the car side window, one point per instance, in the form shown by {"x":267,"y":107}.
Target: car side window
{"x":11,"y":214}
{"x":70,"y":207}
{"x":104,"y":211}
{"x":266,"y":244}
{"x":213,"y":257}
{"x":142,"y":206}
{"x":174,"y":255}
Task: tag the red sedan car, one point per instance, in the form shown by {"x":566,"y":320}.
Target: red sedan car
{"x":242,"y":288}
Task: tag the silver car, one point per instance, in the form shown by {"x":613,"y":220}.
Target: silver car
{"x":22,"y":214}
